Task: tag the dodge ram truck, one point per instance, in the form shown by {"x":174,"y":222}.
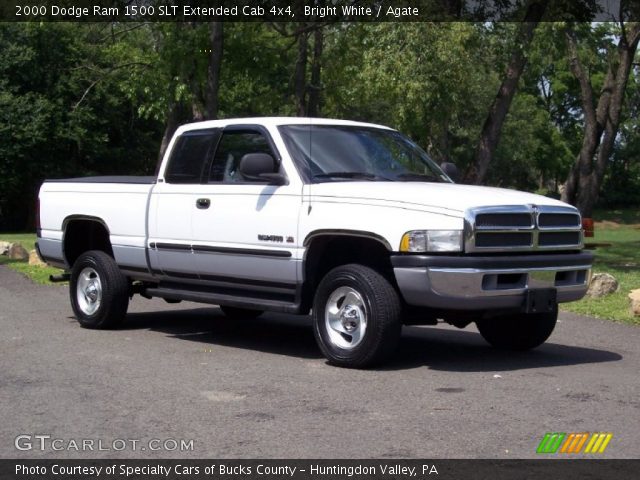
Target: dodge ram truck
{"x":351,"y":222}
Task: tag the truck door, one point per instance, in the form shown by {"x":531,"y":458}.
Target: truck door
{"x":172,"y":202}
{"x":245,"y":231}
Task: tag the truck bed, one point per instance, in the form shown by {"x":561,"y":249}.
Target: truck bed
{"x":105,"y":198}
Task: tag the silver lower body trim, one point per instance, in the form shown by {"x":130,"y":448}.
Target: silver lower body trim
{"x":50,"y":251}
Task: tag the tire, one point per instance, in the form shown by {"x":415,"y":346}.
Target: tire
{"x":364,"y":331}
{"x":99,"y":291}
{"x":237,"y":313}
{"x":518,"y":331}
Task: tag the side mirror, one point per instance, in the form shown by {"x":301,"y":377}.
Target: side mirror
{"x":260,"y":167}
{"x":451,"y":170}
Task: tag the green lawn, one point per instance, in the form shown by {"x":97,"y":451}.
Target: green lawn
{"x":620,"y":228}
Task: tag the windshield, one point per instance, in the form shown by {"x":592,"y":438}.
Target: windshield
{"x":334,"y":153}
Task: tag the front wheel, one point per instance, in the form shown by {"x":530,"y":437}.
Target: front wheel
{"x":356,"y":316}
{"x":522,"y":331}
{"x":99,"y":291}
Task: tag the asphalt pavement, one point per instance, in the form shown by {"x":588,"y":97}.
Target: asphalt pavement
{"x":203,"y":386}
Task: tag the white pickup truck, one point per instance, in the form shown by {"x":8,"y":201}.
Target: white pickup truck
{"x":350,"y":221}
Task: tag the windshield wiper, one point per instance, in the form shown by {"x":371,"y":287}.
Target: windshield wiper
{"x":417,"y":177}
{"x":358,"y":175}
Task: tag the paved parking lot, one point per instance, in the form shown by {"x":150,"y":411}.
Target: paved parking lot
{"x":260,"y":388}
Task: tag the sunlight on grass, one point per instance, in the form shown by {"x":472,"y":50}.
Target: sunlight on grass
{"x":621,"y":229}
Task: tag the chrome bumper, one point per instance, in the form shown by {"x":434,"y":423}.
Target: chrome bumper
{"x":488,"y":283}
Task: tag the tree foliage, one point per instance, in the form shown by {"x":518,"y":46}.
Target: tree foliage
{"x":81,"y":99}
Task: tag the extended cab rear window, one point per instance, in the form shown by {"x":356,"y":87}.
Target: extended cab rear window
{"x":232,"y":147}
{"x":190,"y":154}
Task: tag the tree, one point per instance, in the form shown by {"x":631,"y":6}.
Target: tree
{"x":213,"y":70}
{"x":429,"y":80}
{"x":315,"y":84}
{"x":307,"y":86}
{"x":601,"y":120}
{"x":492,"y":127}
{"x":192,"y":81}
{"x":62,"y":112}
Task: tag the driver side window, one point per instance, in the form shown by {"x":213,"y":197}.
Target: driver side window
{"x":234,"y":145}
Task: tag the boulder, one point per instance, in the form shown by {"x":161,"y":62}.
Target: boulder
{"x":34,"y":259}
{"x":602,"y":284}
{"x":634,"y":296}
{"x":4,"y":248}
{"x":18,"y":252}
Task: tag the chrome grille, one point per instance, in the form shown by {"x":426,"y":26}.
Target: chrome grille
{"x":503,"y":220}
{"x":504,"y":239}
{"x":560,"y":220}
{"x":522,"y":228}
{"x":552,"y":239}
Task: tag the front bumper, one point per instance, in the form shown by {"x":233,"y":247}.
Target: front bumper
{"x":489,"y":282}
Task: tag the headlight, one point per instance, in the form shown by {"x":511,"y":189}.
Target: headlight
{"x":432,"y":241}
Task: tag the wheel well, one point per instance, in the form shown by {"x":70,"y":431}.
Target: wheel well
{"x":83,"y":235}
{"x":326,"y":252}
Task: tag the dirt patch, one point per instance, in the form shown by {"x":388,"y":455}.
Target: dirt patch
{"x":613,"y":225}
{"x":607,"y":224}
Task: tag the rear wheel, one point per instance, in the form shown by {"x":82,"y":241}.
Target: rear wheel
{"x":356,"y":316}
{"x":237,"y":313}
{"x":522,"y":331}
{"x":99,"y":291}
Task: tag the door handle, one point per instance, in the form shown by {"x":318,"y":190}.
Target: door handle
{"x":203,"y":203}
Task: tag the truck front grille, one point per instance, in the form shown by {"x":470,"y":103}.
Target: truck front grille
{"x":522,"y":228}
{"x":554,"y":239}
{"x":503,"y":220}
{"x":559,"y":220}
{"x":504,"y":239}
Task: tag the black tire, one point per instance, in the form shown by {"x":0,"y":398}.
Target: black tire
{"x":91,"y":270}
{"x":237,"y":313}
{"x":376,"y":302}
{"x":522,"y":331}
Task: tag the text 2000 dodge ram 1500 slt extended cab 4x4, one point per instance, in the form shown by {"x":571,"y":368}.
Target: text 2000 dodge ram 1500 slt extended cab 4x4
{"x":351,"y":221}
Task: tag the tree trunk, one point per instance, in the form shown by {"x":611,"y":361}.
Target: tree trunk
{"x":582,"y":186}
{"x":300,"y":76}
{"x":214,"y":69}
{"x":316,"y":67}
{"x":174,"y":118}
{"x":492,"y":128}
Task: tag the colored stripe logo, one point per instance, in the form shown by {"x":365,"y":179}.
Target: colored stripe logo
{"x":556,"y":442}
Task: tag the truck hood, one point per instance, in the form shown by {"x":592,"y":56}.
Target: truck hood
{"x":436,"y":197}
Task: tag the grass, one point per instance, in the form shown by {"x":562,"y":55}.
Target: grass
{"x":619,"y":228}
{"x":36,"y":273}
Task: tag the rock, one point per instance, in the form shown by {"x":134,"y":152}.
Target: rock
{"x":634,"y":296}
{"x":602,"y":284}
{"x":34,"y":259}
{"x":18,"y":252}
{"x":4,"y":248}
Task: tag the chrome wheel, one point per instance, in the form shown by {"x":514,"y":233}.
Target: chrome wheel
{"x":356,"y":316}
{"x":98,"y":290}
{"x":89,"y":291}
{"x":345,"y":318}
